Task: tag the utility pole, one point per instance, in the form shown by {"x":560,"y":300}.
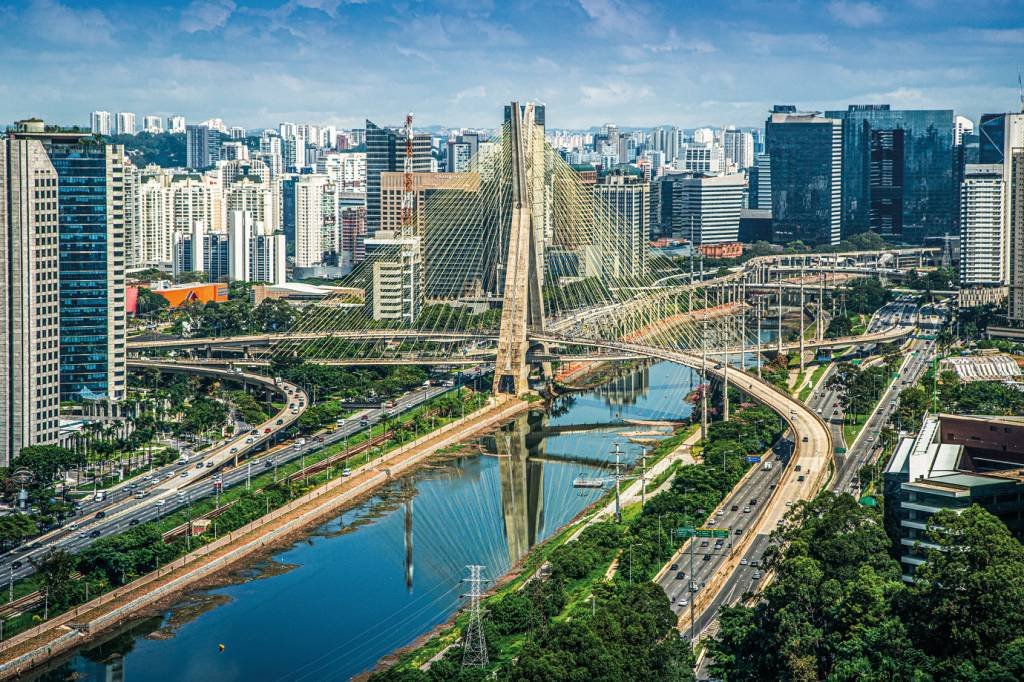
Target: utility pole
{"x":474,"y":647}
{"x":801,"y":316}
{"x":725,"y":367}
{"x":618,"y":479}
{"x":780,"y":313}
{"x":643,"y":479}
{"x":248,"y":476}
{"x":760,"y":314}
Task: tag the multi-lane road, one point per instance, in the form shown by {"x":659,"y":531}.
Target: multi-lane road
{"x":176,"y":486}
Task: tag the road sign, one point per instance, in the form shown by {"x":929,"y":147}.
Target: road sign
{"x":685,"y":532}
{"x":753,"y":459}
{"x":712,"y":532}
{"x":840,"y":451}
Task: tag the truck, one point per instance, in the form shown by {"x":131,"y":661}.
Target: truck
{"x":767,"y":466}
{"x":183,"y":458}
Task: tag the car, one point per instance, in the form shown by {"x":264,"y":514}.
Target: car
{"x":693,"y":586}
{"x":735,"y":507}
{"x":170,"y":474}
{"x":184,"y":474}
{"x":280,"y":421}
{"x":249,"y":439}
{"x":346,"y":472}
{"x":268,"y":463}
{"x":746,"y":510}
{"x":101,"y":514}
{"x":199,"y":465}
{"x":753,"y":500}
{"x":209,"y":465}
{"x":835,"y":412}
{"x":789,"y":503}
{"x":139,"y":494}
{"x":84,"y":534}
{"x":704,"y":543}
{"x":680,"y":576}
{"x":675,"y":567}
{"x":267,"y":430}
{"x":160,"y":503}
{"x":800,"y":479}
{"x":780,"y":523}
{"x":683,"y":602}
{"x":796,"y":468}
{"x":94,"y":534}
{"x":15,"y":564}
{"x":133,"y":522}
{"x":755,"y":563}
{"x":233,"y":451}
{"x":757,"y":575}
{"x":739,"y":531}
{"x":771,"y":486}
{"x":744,"y":562}
{"x":804,"y":439}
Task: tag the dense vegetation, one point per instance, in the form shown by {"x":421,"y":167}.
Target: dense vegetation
{"x":838,"y":609}
{"x":163,"y":149}
{"x":235,"y":317}
{"x":861,"y":387}
{"x":551,"y":631}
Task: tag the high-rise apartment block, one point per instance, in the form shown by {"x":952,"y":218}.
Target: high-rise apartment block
{"x":176,"y":124}
{"x":805,"y":155}
{"x":982,"y":247}
{"x":1015,"y":262}
{"x":99,"y":122}
{"x":29,"y":303}
{"x":125,"y":122}
{"x":738,"y":146}
{"x":202,"y":146}
{"x":152,"y":124}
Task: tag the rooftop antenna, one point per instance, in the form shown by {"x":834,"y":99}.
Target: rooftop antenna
{"x":408,"y":226}
{"x":1020,"y":90}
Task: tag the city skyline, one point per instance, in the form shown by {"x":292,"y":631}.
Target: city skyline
{"x":637,"y":64}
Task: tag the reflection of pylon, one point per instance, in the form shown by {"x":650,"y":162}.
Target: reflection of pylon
{"x":474,"y":647}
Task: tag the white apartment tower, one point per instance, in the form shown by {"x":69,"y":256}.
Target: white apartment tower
{"x":29,"y":306}
{"x":99,"y":122}
{"x":313,"y":235}
{"x":152,"y":124}
{"x":982,"y":248}
{"x":176,"y":124}
{"x":126,"y":123}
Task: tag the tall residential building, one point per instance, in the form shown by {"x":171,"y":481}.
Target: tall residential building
{"x":347,"y":169}
{"x":152,"y":124}
{"x":93,"y":214}
{"x":202,"y":146}
{"x":981,"y":227}
{"x":99,"y":122}
{"x":236,"y":133}
{"x":29,"y":305}
{"x":897,"y":171}
{"x":314,"y":235}
{"x":271,"y":153}
{"x":460,"y":151}
{"x":805,"y":153}
{"x":353,"y":235}
{"x":385,"y":149}
{"x":1016,"y":242}
{"x":255,"y":255}
{"x":627,"y":199}
{"x":1000,"y":136}
{"x":126,"y":123}
{"x":712,"y":205}
{"x":251,"y":195}
{"x":738,"y":146}
{"x":176,"y":124}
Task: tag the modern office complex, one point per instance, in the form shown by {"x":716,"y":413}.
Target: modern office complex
{"x":29,"y":306}
{"x":805,"y":155}
{"x":897,"y":172}
{"x":385,"y":149}
{"x":627,"y":197}
{"x":712,"y":206}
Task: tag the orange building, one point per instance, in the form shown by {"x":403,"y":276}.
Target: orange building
{"x":182,"y":294}
{"x":732,"y":250}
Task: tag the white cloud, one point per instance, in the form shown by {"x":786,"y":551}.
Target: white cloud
{"x":674,"y":43}
{"x":855,"y":14}
{"x":206,"y":15}
{"x":614,"y":16}
{"x":57,"y":23}
{"x":478,"y":92}
{"x":609,"y":94}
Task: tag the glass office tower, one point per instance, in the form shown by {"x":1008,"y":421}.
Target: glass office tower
{"x":898,"y":172}
{"x":805,"y":156}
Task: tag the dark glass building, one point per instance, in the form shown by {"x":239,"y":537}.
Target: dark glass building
{"x":385,"y":148}
{"x":991,"y":138}
{"x":805,"y":152}
{"x":898,"y":172}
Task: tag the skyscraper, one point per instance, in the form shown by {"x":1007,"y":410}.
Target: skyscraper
{"x":712,"y":206}
{"x":202,"y":146}
{"x":805,"y":155}
{"x":1015,"y":311}
{"x":99,"y":122}
{"x":314,"y":236}
{"x":1000,"y":136}
{"x":29,"y":306}
{"x":982,"y":245}
{"x":739,"y":148}
{"x":384,"y":152}
{"x":175,"y":124}
{"x":627,"y":197}
{"x":93,"y":213}
{"x":897,"y":171}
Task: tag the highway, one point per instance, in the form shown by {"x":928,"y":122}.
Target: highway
{"x":123,"y":511}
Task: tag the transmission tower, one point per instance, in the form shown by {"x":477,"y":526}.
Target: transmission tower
{"x":474,"y":647}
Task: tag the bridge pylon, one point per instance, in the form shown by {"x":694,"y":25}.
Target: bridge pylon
{"x":523,"y":306}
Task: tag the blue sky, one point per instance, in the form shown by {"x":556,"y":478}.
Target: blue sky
{"x":455,"y":62}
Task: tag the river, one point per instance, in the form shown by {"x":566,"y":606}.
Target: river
{"x":378,"y":576}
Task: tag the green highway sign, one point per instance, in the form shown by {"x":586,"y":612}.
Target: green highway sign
{"x":839,"y":451}
{"x":685,"y":532}
{"x":712,"y":532}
